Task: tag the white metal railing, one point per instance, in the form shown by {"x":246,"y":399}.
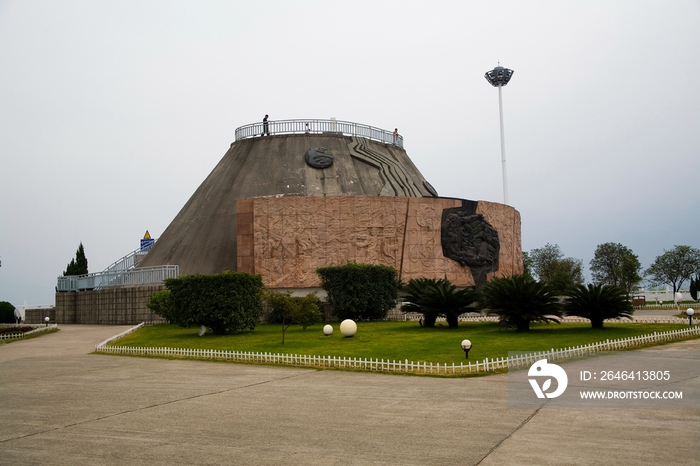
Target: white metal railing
{"x":345,"y":128}
{"x":143,"y":276}
{"x":129,"y":261}
{"x":420,"y":367}
{"x":111,"y":276}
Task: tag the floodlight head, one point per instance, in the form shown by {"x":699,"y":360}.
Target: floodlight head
{"x":499,"y":76}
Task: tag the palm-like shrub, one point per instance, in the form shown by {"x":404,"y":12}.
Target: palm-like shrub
{"x":520,"y":300}
{"x":597,"y":303}
{"x":434,"y":298}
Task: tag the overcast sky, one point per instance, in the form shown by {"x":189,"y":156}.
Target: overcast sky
{"x":113,"y":112}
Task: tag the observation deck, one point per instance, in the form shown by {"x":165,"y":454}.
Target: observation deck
{"x":326,"y":127}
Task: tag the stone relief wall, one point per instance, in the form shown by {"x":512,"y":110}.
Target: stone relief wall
{"x":506,"y":220}
{"x":286,"y":239}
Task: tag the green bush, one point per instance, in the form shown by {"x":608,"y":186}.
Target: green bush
{"x":226,"y":303}
{"x":160,"y":302}
{"x":7,"y":313}
{"x":360,"y":291}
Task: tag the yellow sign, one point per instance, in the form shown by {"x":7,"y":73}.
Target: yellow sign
{"x":147,"y":235}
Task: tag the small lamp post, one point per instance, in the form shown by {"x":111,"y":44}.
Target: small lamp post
{"x":466,"y":346}
{"x":690,"y":311}
{"x":46,"y":319}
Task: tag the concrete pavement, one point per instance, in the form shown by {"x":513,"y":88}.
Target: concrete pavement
{"x":61,"y":405}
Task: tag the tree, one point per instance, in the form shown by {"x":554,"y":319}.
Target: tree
{"x":548,"y":265}
{"x":520,"y":300}
{"x":226,"y":303}
{"x":7,"y":313}
{"x":434,"y":298}
{"x":616,"y":265}
{"x":597,"y":303}
{"x":79,"y":265}
{"x":674,"y":267}
{"x":527,"y":264}
{"x":292,"y":310}
{"x":360,"y":291}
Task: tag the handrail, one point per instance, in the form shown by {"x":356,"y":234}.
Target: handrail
{"x":92,"y":281}
{"x":335,"y":127}
{"x":129,"y":261}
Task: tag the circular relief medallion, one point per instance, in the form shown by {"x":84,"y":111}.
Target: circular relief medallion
{"x":319,"y":157}
{"x":430,"y":188}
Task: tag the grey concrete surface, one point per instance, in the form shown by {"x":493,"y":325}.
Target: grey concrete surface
{"x":61,"y":405}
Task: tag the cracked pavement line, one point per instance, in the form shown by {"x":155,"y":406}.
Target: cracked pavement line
{"x":201,"y":395}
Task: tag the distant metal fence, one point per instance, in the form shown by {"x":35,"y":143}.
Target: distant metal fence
{"x":345,"y":128}
{"x":133,"y":277}
{"x":415,"y":316}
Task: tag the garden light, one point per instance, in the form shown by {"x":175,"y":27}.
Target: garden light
{"x":348,"y":327}
{"x":466,"y":346}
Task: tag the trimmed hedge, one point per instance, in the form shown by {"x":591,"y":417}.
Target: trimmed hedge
{"x":226,"y":303}
{"x":360,"y":291}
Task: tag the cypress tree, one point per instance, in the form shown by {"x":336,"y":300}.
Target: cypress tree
{"x":79,"y":265}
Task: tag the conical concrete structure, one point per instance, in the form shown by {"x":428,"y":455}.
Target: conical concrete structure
{"x":284,"y":205}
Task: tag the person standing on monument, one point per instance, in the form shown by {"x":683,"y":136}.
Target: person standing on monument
{"x":396,"y":135}
{"x":265,"y":128}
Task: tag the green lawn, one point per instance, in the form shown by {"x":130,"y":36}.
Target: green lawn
{"x":392,"y":340}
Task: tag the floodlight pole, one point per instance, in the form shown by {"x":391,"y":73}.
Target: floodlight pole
{"x":499,"y":77}
{"x":503,"y":147}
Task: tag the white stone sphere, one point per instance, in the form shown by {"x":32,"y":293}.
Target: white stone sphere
{"x":348,"y":327}
{"x":328,"y":329}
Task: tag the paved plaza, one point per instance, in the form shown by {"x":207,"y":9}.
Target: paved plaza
{"x":61,"y":405}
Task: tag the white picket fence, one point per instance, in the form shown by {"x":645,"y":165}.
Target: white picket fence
{"x":38,"y":328}
{"x":385,"y":365}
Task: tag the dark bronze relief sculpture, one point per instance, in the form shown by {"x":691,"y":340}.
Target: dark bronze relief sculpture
{"x":470,"y":240}
{"x":319,"y":157}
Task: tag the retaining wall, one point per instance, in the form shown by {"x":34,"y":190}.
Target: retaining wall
{"x":111,"y":306}
{"x":36,"y":316}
